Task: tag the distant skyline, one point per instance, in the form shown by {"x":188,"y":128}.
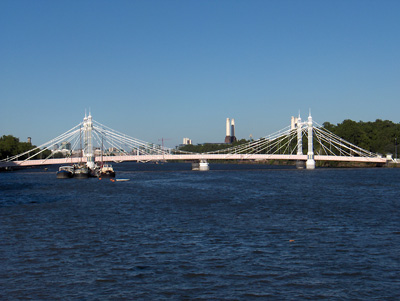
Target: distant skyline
{"x":173,"y":69}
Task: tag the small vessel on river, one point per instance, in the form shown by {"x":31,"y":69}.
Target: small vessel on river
{"x":65,"y":172}
{"x":106,"y":171}
{"x":81,"y":172}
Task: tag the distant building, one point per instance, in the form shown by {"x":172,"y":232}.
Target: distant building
{"x":114,"y":151}
{"x":64,"y":149}
{"x":65,"y":145}
{"x":187,"y":141}
{"x":29,"y":140}
{"x":97,"y":151}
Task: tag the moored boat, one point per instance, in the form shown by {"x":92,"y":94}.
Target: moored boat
{"x":81,"y":172}
{"x":65,"y":172}
{"x":107,"y":171}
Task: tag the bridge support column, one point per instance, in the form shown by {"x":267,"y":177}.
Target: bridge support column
{"x":310,"y":164}
{"x":299,"y":163}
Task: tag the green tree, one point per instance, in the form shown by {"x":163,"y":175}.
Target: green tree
{"x":8,"y":146}
{"x":11,"y":146}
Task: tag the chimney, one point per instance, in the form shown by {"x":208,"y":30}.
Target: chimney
{"x":228,"y":127}
{"x":233,"y":137}
{"x":228,"y":131}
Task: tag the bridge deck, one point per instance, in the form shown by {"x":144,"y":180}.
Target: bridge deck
{"x":188,"y":157}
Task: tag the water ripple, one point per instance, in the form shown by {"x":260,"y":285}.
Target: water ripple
{"x":225,"y":234}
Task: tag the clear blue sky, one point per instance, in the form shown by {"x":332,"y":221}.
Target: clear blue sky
{"x":175,"y":69}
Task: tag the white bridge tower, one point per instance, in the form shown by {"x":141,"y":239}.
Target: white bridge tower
{"x":299,"y":137}
{"x":88,"y":144}
{"x":310,"y":164}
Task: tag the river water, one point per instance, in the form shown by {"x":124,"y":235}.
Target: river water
{"x":236,"y":232}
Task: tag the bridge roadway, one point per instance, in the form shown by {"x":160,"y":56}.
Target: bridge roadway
{"x":193,"y":157}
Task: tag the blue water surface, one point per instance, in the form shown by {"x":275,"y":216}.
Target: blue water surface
{"x":236,"y":232}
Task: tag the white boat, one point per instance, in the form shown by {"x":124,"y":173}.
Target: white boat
{"x":107,"y":171}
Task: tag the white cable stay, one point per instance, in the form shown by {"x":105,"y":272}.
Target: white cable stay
{"x":250,"y":146}
{"x":41,"y":148}
{"x":103,"y":136}
{"x":115,"y":137}
{"x":345,"y":148}
{"x":276,"y":143}
{"x":283,"y":142}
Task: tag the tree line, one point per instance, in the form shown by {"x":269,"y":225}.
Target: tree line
{"x":379,"y":136}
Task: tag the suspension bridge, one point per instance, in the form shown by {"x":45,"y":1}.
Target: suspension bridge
{"x":90,"y":142}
